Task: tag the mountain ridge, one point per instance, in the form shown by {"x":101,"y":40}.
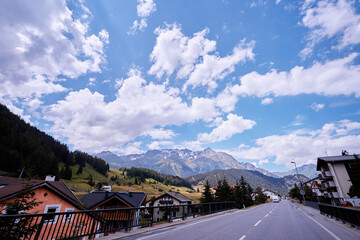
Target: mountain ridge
{"x":180,"y":162}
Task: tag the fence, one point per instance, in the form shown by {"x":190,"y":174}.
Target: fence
{"x":89,"y":223}
{"x":349,"y":215}
{"x":312,"y":204}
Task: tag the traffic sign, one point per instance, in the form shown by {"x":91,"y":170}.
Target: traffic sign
{"x":314,"y":186}
{"x":302,"y":192}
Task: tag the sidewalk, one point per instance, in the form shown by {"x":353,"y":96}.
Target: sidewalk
{"x":316,"y":212}
{"x":120,"y":235}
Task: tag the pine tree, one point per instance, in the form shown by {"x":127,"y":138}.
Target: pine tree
{"x":207,"y":195}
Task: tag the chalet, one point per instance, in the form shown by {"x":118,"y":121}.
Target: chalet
{"x":168,"y":199}
{"x":53,"y":196}
{"x":132,"y":201}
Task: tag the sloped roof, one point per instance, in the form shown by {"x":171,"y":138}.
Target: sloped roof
{"x":333,"y":159}
{"x":177,"y":196}
{"x":93,"y":199}
{"x":9,"y":187}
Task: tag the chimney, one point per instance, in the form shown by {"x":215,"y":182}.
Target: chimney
{"x":50,"y":178}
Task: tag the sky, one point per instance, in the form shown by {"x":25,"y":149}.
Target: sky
{"x":267,"y":81}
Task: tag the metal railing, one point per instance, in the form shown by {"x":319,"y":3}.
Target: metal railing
{"x":349,"y":215}
{"x":77,"y":224}
{"x":312,"y":204}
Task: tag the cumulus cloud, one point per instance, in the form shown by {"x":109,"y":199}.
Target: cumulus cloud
{"x":267,"y":101}
{"x":233,"y":125}
{"x":144,"y":9}
{"x":40,"y":42}
{"x":317,"y":106}
{"x":191,"y":59}
{"x":328,"y":19}
{"x":330,"y":78}
{"x":160,"y":144}
{"x":140,"y":109}
{"x":304,"y":146}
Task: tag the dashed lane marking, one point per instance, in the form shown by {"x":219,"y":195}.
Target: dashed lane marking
{"x":242,"y":238}
{"x":257,"y":223}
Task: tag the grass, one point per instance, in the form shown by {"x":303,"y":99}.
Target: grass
{"x":122,"y":183}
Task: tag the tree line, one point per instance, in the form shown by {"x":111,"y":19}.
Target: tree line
{"x":241,"y":193}
{"x":140,"y":174}
{"x":24,"y":146}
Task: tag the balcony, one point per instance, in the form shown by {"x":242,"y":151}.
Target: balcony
{"x":327,"y":174}
{"x":166,"y":202}
{"x":331,"y":184}
{"x":334,"y":195}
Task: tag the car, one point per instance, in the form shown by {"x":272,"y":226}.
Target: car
{"x":345,"y":204}
{"x":275,"y":199}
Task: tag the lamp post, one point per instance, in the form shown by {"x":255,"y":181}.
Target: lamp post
{"x":297,"y":175}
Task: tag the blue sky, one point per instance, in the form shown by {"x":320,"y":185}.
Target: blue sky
{"x":268,"y":82}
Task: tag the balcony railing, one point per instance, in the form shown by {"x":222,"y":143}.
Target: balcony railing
{"x":327,"y":174}
{"x":335,"y":195}
{"x":78,"y":224}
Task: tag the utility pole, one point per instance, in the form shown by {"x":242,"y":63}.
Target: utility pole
{"x":299,"y":181}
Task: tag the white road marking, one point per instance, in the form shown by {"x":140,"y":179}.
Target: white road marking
{"x":266,"y":215}
{"x":257,"y":223}
{"x":177,"y":228}
{"x":327,"y":230}
{"x":242,"y":238}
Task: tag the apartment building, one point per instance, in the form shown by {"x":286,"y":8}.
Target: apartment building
{"x":335,"y":178}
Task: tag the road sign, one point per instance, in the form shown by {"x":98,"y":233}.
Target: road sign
{"x":302,"y":192}
{"x":314,"y":186}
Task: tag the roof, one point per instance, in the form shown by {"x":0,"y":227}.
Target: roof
{"x":134,"y":199}
{"x":9,"y":187}
{"x":333,"y":159}
{"x":177,"y":196}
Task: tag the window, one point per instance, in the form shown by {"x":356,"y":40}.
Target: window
{"x":68,"y":217}
{"x":52,"y":208}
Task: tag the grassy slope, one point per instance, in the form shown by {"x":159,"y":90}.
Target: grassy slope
{"x":79,"y":182}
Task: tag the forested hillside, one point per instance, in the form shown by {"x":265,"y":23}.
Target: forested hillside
{"x":142,"y":173}
{"x":22,"y":145}
{"x":254,"y":178}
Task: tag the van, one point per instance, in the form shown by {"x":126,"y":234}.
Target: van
{"x":275,"y":199}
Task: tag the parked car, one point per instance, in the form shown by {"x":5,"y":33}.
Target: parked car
{"x":345,"y":204}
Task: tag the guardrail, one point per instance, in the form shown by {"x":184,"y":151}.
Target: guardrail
{"x":312,"y":204}
{"x":349,"y":215}
{"x":90,"y":223}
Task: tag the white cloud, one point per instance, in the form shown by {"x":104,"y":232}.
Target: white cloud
{"x":305,"y":146}
{"x":159,"y":144}
{"x":330,"y":78}
{"x":277,"y":2}
{"x":144,"y":9}
{"x":267,"y":101}
{"x":191,"y":59}
{"x":140,"y":109}
{"x":299,"y":120}
{"x":131,"y":148}
{"x":161,"y":134}
{"x":262,"y":161}
{"x":327,"y":19}
{"x":36,"y":50}
{"x":317,"y":106}
{"x":233,"y":125}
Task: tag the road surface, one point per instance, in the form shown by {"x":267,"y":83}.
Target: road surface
{"x":278,"y":221}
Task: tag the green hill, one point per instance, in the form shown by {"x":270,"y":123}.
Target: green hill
{"x":24,"y":146}
{"x":254,"y":178}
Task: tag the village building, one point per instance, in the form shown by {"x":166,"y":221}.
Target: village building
{"x":173,"y":199}
{"x":117,"y":200}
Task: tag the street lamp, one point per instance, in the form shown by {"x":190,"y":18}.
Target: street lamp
{"x":299,"y":180}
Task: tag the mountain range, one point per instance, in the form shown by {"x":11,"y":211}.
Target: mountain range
{"x":254,"y":178}
{"x":184,"y":162}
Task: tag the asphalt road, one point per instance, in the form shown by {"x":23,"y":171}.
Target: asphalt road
{"x":278,"y":221}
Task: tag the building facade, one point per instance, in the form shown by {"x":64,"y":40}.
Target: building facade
{"x":172,"y":199}
{"x":335,"y":178}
